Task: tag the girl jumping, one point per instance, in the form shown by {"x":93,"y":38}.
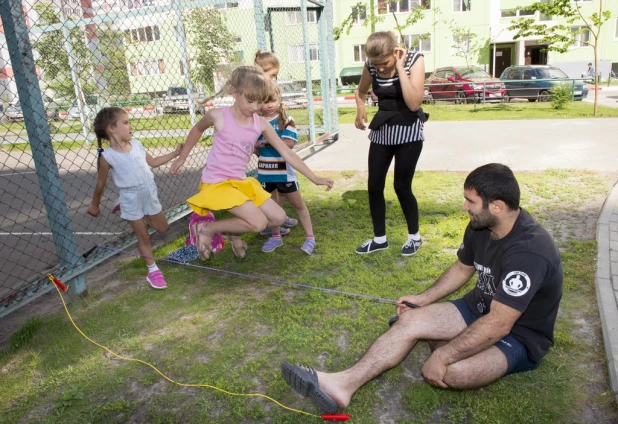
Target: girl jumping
{"x":130,"y":165}
{"x":224,"y":185}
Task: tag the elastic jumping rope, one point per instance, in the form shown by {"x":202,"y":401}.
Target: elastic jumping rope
{"x":326,"y":417}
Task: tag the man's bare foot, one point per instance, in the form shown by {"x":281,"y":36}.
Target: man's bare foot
{"x":329,"y":385}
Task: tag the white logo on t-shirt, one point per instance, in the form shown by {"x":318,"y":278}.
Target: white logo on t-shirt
{"x":462,"y":247}
{"x":516,"y":283}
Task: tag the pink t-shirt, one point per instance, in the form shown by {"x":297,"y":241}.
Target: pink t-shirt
{"x":231,"y":149}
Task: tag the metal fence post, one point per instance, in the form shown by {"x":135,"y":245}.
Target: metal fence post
{"x":330,"y":16}
{"x":324,"y":65}
{"x":22,"y":60}
{"x":260,"y":29}
{"x":303,"y":12}
{"x":182,"y":40}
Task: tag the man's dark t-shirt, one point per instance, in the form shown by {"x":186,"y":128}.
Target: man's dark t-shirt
{"x":522,"y":270}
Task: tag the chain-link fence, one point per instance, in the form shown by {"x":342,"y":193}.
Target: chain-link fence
{"x":63,"y":60}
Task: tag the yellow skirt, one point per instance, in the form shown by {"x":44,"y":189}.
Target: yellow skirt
{"x":227,"y":195}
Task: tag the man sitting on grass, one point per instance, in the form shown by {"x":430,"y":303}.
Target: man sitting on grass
{"x":503,"y":326}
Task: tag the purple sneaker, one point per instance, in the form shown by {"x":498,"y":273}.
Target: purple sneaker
{"x":308,"y":246}
{"x":267,"y":231}
{"x":290,"y":222}
{"x":272,"y":244}
{"x":156,"y":280}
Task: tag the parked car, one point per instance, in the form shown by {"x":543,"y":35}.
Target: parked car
{"x":464,"y":84}
{"x":372,"y":99}
{"x":176,"y":100}
{"x":523,"y":82}
{"x":13,"y":113}
{"x":293,"y":94}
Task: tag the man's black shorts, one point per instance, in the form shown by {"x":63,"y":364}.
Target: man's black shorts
{"x":284,"y":188}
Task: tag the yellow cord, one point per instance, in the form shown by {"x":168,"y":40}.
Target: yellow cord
{"x":122,"y":358}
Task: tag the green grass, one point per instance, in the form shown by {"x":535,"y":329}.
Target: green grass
{"x":232,"y":332}
{"x":438,"y":112}
{"x":496,"y":111}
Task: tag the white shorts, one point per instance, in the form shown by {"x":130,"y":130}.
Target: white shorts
{"x":136,"y":202}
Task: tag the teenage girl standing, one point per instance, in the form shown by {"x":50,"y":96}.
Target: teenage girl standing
{"x":396,"y":76}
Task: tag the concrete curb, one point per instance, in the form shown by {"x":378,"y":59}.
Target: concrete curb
{"x":606,"y":282}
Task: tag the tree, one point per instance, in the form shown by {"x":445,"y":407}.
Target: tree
{"x":113,"y":61}
{"x":361,"y":8}
{"x":466,"y":43}
{"x":53,"y":58}
{"x":213,"y":43}
{"x":560,"y":37}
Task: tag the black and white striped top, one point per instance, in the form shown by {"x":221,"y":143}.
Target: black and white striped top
{"x":394,"y":123}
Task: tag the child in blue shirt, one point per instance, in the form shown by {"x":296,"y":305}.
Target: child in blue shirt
{"x":274,"y":173}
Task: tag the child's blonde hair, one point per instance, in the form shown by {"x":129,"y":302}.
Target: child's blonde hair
{"x":248,"y":81}
{"x":380,"y":44}
{"x":266,"y":61}
{"x":274,"y":94}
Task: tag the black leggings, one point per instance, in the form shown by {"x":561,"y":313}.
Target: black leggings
{"x":380,"y":158}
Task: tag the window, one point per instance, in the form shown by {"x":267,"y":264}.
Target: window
{"x":361,"y":14}
{"x":529,"y":74}
{"x":147,"y":67}
{"x":461,"y":5}
{"x":142,"y":35}
{"x":359,"y":53}
{"x":295,"y":18}
{"x":401,"y":6}
{"x":425,"y":4}
{"x":415,"y":44}
{"x":580,"y":39}
{"x":512,"y":74}
{"x":511,"y":13}
{"x":461,"y":44}
{"x":227,"y":5}
{"x":296,"y":53}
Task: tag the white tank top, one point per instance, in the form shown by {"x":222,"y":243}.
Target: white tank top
{"x":129,"y":169}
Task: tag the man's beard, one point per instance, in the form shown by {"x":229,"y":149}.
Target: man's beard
{"x":482,"y":221}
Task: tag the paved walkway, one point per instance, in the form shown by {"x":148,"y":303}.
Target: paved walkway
{"x":524,"y":146}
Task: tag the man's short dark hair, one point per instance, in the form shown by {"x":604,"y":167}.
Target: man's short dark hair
{"x":492,"y":182}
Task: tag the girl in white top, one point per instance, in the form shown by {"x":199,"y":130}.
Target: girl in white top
{"x":130,"y":165}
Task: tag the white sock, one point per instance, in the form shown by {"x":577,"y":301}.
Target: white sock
{"x":380,"y":240}
{"x":415,"y":237}
{"x":152,"y":268}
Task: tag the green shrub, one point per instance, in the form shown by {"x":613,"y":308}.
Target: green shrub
{"x":561,"y":96}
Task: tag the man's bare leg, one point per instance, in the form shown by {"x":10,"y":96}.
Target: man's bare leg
{"x":478,"y":370}
{"x":439,"y":321}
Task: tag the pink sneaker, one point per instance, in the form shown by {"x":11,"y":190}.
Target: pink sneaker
{"x":156,"y":280}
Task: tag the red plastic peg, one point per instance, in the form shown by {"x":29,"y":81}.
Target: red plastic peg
{"x":336,"y":417}
{"x":57,"y":282}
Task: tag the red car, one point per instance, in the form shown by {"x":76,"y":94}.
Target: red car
{"x":464,"y":85}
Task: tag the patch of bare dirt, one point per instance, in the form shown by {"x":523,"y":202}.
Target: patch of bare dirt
{"x":103,"y":282}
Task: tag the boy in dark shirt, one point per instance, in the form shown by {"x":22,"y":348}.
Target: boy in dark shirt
{"x":503,"y":326}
